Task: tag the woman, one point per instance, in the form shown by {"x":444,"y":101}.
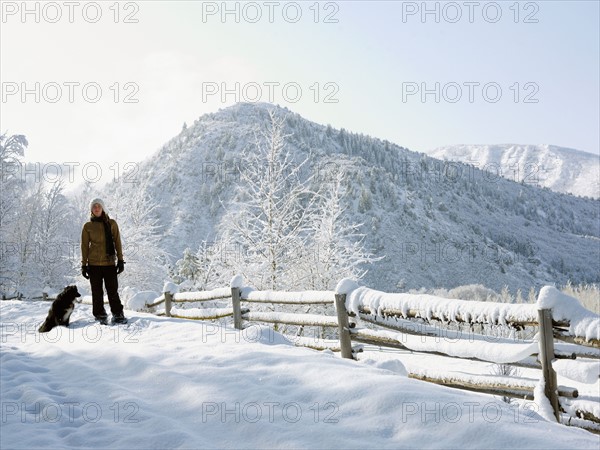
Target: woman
{"x":100,"y":238}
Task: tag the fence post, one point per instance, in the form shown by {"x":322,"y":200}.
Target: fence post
{"x":168,"y":300}
{"x":343,"y":326}
{"x":237,"y":309}
{"x":44,"y":296}
{"x":546,"y":344}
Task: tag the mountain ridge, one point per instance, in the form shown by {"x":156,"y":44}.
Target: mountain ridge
{"x":436,"y":224}
{"x":561,"y":169}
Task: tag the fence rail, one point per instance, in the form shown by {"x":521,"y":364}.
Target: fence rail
{"x":505,"y":386}
{"x":291,"y":318}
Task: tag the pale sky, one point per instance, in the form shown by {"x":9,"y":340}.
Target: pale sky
{"x":374,"y":58}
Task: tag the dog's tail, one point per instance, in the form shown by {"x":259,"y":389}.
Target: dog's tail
{"x":47,"y":326}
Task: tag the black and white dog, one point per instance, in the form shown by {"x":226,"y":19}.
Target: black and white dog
{"x":61,"y":309}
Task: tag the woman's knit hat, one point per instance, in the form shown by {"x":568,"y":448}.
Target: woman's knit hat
{"x":100,"y":202}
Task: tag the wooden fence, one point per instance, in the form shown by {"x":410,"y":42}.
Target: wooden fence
{"x":405,"y":322}
{"x":496,"y":385}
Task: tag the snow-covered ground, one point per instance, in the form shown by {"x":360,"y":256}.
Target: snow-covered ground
{"x":171,"y":383}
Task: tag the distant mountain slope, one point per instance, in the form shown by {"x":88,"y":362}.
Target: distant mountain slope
{"x":558,"y":168}
{"x":438,"y":225}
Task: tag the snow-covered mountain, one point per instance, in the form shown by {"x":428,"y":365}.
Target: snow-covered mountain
{"x":437,"y":224}
{"x":561,"y":169}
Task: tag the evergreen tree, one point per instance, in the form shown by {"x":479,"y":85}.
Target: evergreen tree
{"x":187,"y":269}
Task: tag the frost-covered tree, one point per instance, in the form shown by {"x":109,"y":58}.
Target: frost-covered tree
{"x":519,"y":296}
{"x":53,"y":237}
{"x":216,"y":264}
{"x":365,"y":203}
{"x":40,"y":239}
{"x":505,"y":296}
{"x":12,"y":150}
{"x":44,"y":238}
{"x":336,"y":248}
{"x":531,"y":296}
{"x":187,"y":269}
{"x":24,"y":239}
{"x":268,"y":219}
{"x":145,"y":259}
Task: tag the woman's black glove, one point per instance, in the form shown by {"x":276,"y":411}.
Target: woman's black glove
{"x":120,"y":266}
{"x":84,"y":272}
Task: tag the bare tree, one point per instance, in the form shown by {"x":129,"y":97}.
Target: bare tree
{"x":146,"y":260}
{"x":53,"y":238}
{"x":269,"y":219}
{"x":336,"y":248}
{"x":506,"y":370}
{"x":215,"y":264}
{"x":25,"y":238}
{"x":12,"y":149}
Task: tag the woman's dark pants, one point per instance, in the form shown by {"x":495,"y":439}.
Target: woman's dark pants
{"x":108,"y":274}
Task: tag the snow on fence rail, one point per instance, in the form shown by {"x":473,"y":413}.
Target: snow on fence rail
{"x":369,"y":302}
{"x":557,"y":315}
{"x":169,"y":297}
{"x":286,"y":298}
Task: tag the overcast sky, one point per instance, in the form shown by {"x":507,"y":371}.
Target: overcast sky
{"x":506,"y":72}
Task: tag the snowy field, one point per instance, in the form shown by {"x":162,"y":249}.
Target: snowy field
{"x":171,"y":383}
